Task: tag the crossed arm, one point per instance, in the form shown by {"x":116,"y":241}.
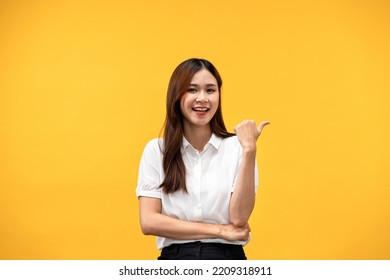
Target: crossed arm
{"x":155,"y":223}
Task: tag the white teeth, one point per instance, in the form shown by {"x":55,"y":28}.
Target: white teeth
{"x":201,"y":109}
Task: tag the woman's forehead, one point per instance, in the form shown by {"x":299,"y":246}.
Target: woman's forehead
{"x":203,"y":77}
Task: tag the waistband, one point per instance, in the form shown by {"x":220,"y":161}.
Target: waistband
{"x":198,"y":250}
{"x":201,"y":244}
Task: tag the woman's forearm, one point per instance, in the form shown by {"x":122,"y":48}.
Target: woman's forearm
{"x":155,"y":223}
{"x":242,"y":200}
{"x":165,"y":226}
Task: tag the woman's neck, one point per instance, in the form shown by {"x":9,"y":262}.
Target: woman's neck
{"x":197,"y":136}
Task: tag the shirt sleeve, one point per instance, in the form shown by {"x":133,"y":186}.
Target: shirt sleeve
{"x":149,"y":178}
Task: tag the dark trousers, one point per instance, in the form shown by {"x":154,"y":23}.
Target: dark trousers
{"x":202,"y":251}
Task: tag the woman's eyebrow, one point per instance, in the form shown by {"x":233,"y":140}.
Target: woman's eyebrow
{"x":209,"y":85}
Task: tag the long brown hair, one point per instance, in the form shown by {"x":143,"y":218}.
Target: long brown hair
{"x":173,"y":164}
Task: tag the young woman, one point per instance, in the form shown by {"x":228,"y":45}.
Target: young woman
{"x":196,"y":186}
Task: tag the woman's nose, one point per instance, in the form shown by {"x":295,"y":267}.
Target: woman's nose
{"x":201,"y":97}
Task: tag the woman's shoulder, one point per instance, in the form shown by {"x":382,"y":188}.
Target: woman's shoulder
{"x":154,"y":142}
{"x":231,"y":144}
{"x":154,"y":146}
{"x":232,"y":140}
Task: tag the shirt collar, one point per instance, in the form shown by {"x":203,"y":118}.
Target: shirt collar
{"x":215,"y":141}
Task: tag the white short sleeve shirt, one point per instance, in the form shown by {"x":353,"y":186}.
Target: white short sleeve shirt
{"x":210,"y":180}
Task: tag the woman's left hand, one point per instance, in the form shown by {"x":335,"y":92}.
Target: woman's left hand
{"x":247,"y":133}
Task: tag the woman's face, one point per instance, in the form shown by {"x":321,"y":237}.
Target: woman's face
{"x":200,"y":102}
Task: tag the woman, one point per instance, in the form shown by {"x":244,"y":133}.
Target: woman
{"x":196,"y":186}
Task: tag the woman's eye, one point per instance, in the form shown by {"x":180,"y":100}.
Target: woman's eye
{"x":191,"y":90}
{"x":210,"y":90}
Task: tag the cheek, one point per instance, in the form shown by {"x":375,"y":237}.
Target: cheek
{"x":186,"y":101}
{"x":183,"y":103}
{"x":215,"y":100}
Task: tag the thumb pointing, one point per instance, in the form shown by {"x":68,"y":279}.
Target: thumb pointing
{"x":262,"y":125}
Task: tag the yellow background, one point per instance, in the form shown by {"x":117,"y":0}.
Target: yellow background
{"x":82,"y":89}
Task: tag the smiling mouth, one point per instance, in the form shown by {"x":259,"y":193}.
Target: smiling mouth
{"x":203,"y":110}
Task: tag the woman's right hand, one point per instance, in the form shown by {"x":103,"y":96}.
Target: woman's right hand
{"x":233,"y":233}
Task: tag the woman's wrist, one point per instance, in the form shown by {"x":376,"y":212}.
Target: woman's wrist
{"x":249,"y":152}
{"x":218,"y":232}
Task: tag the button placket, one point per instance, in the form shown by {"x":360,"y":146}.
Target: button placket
{"x":198,"y":177}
